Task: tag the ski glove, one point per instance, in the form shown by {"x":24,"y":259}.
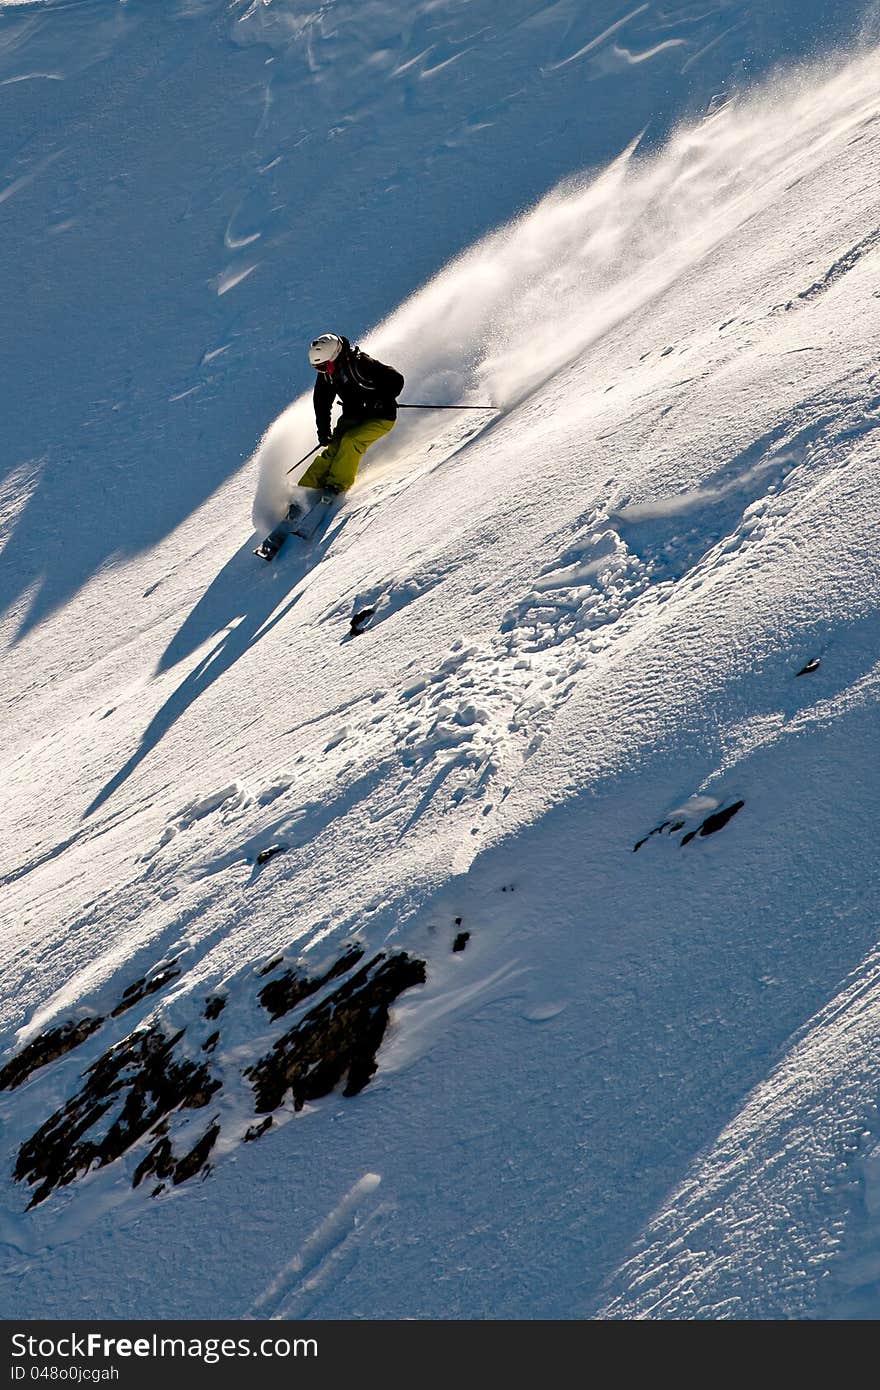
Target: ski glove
{"x":324,"y":437}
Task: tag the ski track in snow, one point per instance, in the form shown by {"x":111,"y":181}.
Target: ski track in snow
{"x":675,"y":513}
{"x":320,"y":1256}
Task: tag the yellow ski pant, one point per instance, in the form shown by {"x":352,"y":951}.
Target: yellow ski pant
{"x":336,"y":466}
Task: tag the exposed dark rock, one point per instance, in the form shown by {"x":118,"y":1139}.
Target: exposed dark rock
{"x":46,"y":1048}
{"x":138,"y":1086}
{"x":337,"y":1038}
{"x":658,"y":830}
{"x":256,"y":1131}
{"x":197,"y":1158}
{"x":60,"y":1040}
{"x":719,"y":819}
{"x":270,"y":965}
{"x":461,"y":940}
{"x":361,"y":620}
{"x":150,"y":984}
{"x":670,"y":826}
{"x":269,"y":853}
{"x":715,"y":822}
{"x":199,"y":1095}
{"x":162,"y":1162}
{"x":143,"y":1074}
{"x":279,"y":996}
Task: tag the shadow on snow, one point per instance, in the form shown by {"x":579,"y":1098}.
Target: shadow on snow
{"x":242,"y":612}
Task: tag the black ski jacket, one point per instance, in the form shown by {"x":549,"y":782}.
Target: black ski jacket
{"x":367,"y":389}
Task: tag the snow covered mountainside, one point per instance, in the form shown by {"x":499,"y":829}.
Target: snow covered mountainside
{"x":516,"y":958}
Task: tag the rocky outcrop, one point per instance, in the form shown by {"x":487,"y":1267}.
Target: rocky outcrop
{"x":58,"y":1041}
{"x":337,"y":1038}
{"x":281,"y":995}
{"x":709,"y":826}
{"x":150,"y":984}
{"x":143,"y":1080}
{"x":46,"y":1048}
{"x":146,"y":1084}
{"x":162,"y":1162}
{"x":667,"y":827}
{"x":717,"y":821}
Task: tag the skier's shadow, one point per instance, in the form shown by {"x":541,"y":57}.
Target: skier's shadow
{"x":238,"y":606}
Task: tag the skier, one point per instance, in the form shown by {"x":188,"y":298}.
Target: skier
{"x":368,"y":391}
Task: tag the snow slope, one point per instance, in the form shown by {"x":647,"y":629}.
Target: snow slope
{"x":646,"y":1086}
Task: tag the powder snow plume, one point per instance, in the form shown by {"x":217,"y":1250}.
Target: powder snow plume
{"x":530,"y":298}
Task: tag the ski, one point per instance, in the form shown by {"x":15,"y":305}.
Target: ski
{"x":304,"y":516}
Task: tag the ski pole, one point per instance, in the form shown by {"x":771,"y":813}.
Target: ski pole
{"x":304,"y":457}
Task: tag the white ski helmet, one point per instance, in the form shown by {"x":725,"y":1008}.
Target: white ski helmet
{"x":326,"y":348}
